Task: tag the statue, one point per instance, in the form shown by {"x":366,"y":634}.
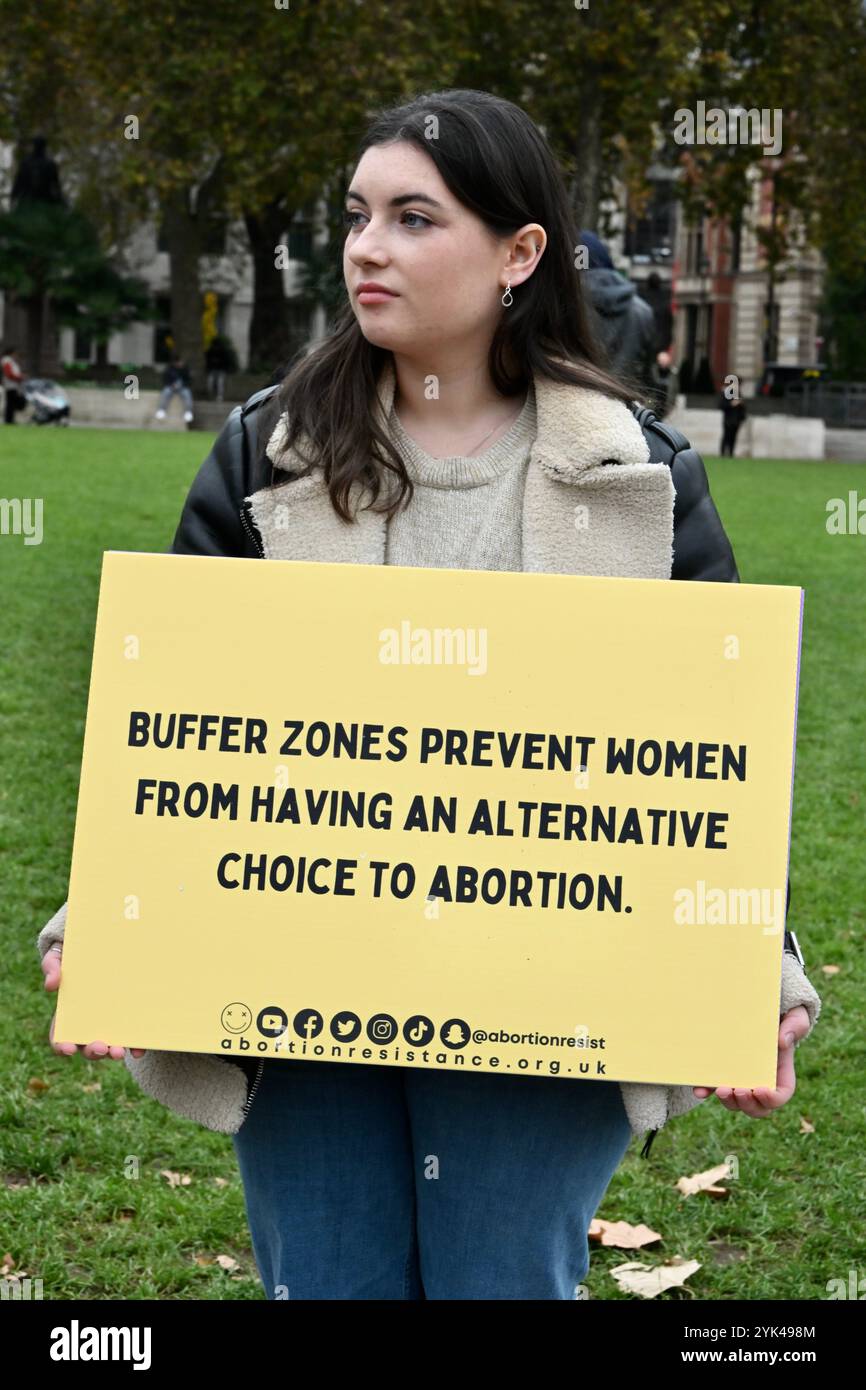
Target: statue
{"x":37,"y":179}
{"x":36,"y":186}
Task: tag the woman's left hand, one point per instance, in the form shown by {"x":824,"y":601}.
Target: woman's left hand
{"x":762,"y":1101}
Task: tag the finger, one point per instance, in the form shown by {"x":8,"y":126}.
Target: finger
{"x":792,"y":1027}
{"x":758,"y":1103}
{"x":138,"y":1051}
{"x":749,"y":1105}
{"x":785,"y":1076}
{"x":725,"y":1097}
{"x":51,"y":967}
{"x":95,"y":1050}
{"x":767,"y":1097}
{"x":703,"y":1090}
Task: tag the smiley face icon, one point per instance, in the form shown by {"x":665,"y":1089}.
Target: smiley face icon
{"x":236,"y":1018}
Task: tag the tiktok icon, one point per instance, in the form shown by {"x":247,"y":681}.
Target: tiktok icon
{"x":418,"y":1030}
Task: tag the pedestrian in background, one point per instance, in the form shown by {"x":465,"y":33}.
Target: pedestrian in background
{"x":219,"y":359}
{"x":176,"y":380}
{"x":665,"y":382}
{"x":623,"y":321}
{"x":13,"y":380}
{"x":733,"y":414}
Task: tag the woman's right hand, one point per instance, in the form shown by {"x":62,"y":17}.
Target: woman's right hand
{"x":94,"y":1050}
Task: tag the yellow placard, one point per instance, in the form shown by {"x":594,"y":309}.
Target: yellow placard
{"x":521,"y":822}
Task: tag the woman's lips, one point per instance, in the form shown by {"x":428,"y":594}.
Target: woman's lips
{"x":375,"y":296}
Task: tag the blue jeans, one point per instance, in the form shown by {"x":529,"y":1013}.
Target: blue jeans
{"x":376,"y":1182}
{"x":167,"y":392}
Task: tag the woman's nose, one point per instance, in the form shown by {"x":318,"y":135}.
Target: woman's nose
{"x":366,"y":246}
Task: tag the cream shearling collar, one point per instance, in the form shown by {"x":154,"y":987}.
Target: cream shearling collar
{"x":578,"y":429}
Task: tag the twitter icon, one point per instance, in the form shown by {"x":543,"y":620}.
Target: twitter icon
{"x":345,"y":1026}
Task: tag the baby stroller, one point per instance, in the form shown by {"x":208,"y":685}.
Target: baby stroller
{"x":50,"y":405}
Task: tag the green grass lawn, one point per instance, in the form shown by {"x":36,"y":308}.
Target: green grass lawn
{"x":69,"y":1212}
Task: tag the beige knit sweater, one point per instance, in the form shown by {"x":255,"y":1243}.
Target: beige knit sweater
{"x":466,"y":511}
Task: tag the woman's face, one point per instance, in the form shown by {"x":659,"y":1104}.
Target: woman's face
{"x":446,"y":272}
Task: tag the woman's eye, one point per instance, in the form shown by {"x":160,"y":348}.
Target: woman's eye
{"x":421,"y":221}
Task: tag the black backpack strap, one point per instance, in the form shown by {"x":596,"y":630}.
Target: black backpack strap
{"x":647,"y":419}
{"x":645,"y":1151}
{"x":256,"y":399}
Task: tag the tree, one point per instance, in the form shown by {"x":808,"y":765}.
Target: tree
{"x":805,"y":60}
{"x":51,"y":251}
{"x":844,"y":313}
{"x":102,"y":301}
{"x":233,"y":109}
{"x":250,"y":111}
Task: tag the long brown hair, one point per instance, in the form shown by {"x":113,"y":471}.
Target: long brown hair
{"x":496,"y":162}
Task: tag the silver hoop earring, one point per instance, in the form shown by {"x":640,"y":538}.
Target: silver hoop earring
{"x":508,"y":297}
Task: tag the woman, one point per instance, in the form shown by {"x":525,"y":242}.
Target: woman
{"x":13,"y":379}
{"x":456,"y":417}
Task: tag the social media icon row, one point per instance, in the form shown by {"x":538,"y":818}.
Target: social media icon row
{"x":273,"y":1022}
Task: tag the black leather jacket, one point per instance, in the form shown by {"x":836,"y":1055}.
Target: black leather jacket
{"x":215,"y":521}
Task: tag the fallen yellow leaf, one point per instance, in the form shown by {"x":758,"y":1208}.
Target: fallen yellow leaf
{"x":175,"y":1179}
{"x":704,"y":1182}
{"x":647,"y":1281}
{"x":621,"y":1234}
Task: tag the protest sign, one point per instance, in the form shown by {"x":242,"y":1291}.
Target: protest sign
{"x":513,"y":822}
